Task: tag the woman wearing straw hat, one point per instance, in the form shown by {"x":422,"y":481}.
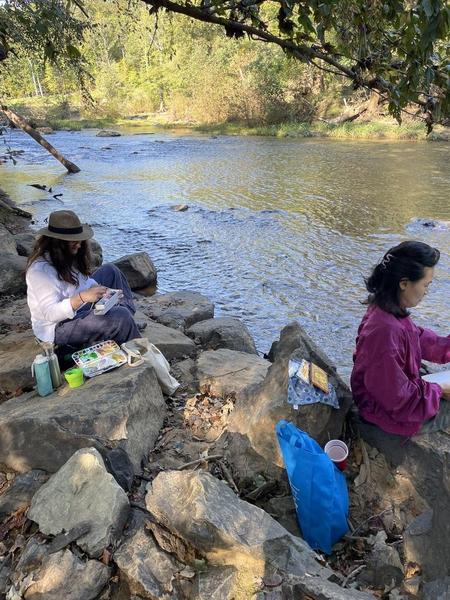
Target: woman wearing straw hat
{"x":60,"y":290}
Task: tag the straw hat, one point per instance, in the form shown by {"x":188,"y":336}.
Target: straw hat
{"x":65,"y":225}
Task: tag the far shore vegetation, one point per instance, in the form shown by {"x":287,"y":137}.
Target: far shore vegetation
{"x":59,"y":114}
{"x":185,"y":75}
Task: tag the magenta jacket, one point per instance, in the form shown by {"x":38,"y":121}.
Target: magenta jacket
{"x":385,"y":381}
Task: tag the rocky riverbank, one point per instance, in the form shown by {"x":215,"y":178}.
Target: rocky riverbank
{"x":114,"y":491}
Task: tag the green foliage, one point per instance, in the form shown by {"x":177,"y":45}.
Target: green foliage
{"x":398,"y":47}
{"x":127,"y":60}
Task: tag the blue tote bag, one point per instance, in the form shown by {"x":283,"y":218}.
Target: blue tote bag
{"x":318,"y":487}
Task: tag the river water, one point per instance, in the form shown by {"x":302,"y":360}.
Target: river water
{"x":276,"y":230}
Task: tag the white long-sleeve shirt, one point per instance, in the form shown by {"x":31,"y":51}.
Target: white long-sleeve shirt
{"x":49,"y":298}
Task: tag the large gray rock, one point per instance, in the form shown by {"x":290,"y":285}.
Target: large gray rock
{"x":21,"y":491}
{"x":222,"y":332}
{"x":12,"y":275}
{"x":138,"y":268}
{"x":43,"y":576}
{"x":147,"y":570}
{"x":424,"y":460}
{"x":17,"y":352}
{"x":82,"y":491}
{"x":226,"y":530}
{"x":24,"y":243}
{"x":124,"y":407}
{"x":179,"y":310}
{"x":7,"y":243}
{"x":223,"y":372}
{"x":172,"y":342}
{"x":253,"y":444}
{"x":229,"y":531}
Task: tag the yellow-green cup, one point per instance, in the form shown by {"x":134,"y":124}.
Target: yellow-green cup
{"x":74,"y":377}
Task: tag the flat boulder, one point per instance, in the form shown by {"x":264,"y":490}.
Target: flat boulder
{"x":17,"y":352}
{"x":179,"y":310}
{"x":122,"y":408}
{"x":260,"y":407}
{"x":138,"y":268}
{"x":222,"y":332}
{"x":108,"y":133}
{"x":223,"y":372}
{"x":82,"y":492}
{"x":145,"y":568}
{"x":12,"y":275}
{"x":172,"y":342}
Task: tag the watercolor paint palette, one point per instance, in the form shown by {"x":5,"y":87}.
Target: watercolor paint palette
{"x":109,"y":299}
{"x":99,"y":358}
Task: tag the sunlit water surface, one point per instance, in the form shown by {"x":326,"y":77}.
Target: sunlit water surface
{"x":277,"y":229}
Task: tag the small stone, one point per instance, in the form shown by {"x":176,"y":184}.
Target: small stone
{"x":108,"y":133}
{"x":188,"y":573}
{"x":384,"y":568}
{"x":412,"y":585}
{"x":272,"y":581}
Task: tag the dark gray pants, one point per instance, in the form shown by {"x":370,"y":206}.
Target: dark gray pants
{"x":441,"y":422}
{"x":86,"y":329}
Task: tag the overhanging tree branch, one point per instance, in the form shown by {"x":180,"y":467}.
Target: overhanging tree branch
{"x":302,"y":52}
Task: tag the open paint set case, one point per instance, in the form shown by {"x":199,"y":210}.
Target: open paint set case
{"x":99,"y":358}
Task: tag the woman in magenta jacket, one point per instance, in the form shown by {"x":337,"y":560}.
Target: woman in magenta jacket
{"x":386,"y":384}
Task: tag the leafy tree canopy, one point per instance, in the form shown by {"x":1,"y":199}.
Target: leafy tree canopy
{"x":397,"y":47}
{"x":52,"y":28}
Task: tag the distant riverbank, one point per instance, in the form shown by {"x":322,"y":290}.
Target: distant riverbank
{"x":61,"y":117}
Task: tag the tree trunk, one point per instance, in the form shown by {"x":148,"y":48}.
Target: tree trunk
{"x":20,"y":122}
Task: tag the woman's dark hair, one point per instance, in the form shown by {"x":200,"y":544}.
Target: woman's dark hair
{"x":405,"y":261}
{"x":58,"y":254}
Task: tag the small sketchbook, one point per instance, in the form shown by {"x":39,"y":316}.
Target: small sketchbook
{"x":311,"y":373}
{"x":319,"y":378}
{"x":439,"y":377}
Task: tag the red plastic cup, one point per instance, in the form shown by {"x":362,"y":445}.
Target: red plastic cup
{"x":337,"y":451}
